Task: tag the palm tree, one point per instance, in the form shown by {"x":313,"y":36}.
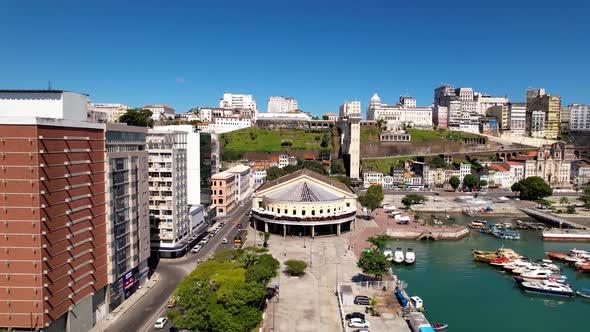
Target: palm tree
{"x":381,"y":125}
{"x":247,"y":259}
{"x":564,"y":201}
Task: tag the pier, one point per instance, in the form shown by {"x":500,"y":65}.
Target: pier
{"x":552,"y":219}
{"x":429,"y":233}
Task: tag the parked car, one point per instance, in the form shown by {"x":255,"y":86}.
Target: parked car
{"x":357,"y":322}
{"x":196,"y":249}
{"x":160,"y":323}
{"x":224,"y":240}
{"x":355,"y":314}
{"x":362,"y":300}
{"x":361,"y":330}
{"x":240,"y":226}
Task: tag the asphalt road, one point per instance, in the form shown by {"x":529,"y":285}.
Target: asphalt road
{"x":143,"y":315}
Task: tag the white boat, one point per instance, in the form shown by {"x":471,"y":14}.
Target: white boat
{"x":541,"y":274}
{"x":518,"y":264}
{"x":547,"y":287}
{"x":549,"y":265}
{"x":398,"y":256}
{"x":388,"y":254}
{"x":410,"y":256}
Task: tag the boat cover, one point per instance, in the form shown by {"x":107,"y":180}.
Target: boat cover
{"x":426,"y":329}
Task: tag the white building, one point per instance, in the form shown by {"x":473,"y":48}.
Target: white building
{"x":167,"y":164}
{"x":331,"y":116}
{"x":259,"y":176}
{"x":102,"y":112}
{"x":398,"y":116}
{"x":517,"y":118}
{"x":407,"y":101}
{"x":231,"y":100}
{"x":280,"y":104}
{"x":226,"y":124}
{"x":538,"y":124}
{"x":350,"y":119}
{"x":243,"y":181}
{"x":288,"y":116}
{"x":205,"y":114}
{"x":350,"y":107}
{"x":579,"y":117}
{"x":464,"y":169}
{"x":372,"y":177}
{"x":161,"y":112}
{"x":485,"y":102}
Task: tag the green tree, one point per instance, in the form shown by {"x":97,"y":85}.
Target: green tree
{"x":264,"y":236}
{"x":454,"y":182}
{"x":379,"y":240}
{"x":344,"y":179}
{"x":470,"y":181}
{"x":337,"y":167}
{"x":374,"y":263}
{"x":274,"y":173}
{"x":247,"y":259}
{"x":585,"y":198}
{"x":296,"y":267}
{"x":411,"y":199}
{"x":373,"y":198}
{"x":263,"y":270}
{"x":483,"y":183}
{"x":438,"y":162}
{"x":381,"y":125}
{"x":564,"y":201}
{"x":313,"y":165}
{"x":325,"y":117}
{"x":532,"y":188}
{"x":325,"y":141}
{"x":137,"y":117}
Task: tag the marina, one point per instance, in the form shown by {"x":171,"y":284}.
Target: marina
{"x":446,"y":275}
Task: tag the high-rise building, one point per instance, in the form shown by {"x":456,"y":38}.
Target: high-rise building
{"x":223,"y":192}
{"x":550,"y":106}
{"x":350,"y":119}
{"x":579,"y":117}
{"x":243,"y":176}
{"x":103,"y":112}
{"x":350,"y":107}
{"x":517,"y":118}
{"x":440,"y":115}
{"x":206,"y":166}
{"x":128,"y":222}
{"x":169,"y":221}
{"x":161,"y":112}
{"x":231,"y":100}
{"x":280,"y":104}
{"x":53,"y":210}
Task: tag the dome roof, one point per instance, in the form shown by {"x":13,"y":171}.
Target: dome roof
{"x":375,"y":98}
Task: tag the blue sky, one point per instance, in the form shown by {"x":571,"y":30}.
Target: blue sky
{"x":187,"y":54}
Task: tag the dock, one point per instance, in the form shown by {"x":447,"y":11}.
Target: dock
{"x":429,"y":233}
{"x":552,"y":219}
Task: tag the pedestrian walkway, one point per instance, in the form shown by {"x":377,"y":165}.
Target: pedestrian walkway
{"x":110,"y":319}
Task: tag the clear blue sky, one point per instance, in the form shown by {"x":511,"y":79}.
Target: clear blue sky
{"x":186,"y":54}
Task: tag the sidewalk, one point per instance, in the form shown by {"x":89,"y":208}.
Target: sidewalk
{"x":110,"y":318}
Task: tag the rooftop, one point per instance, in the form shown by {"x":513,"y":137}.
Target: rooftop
{"x":158,"y":106}
{"x":221,"y":176}
{"x":305,"y":172}
{"x":238,"y":169}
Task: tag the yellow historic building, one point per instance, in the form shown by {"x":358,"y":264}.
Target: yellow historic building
{"x":303,"y":203}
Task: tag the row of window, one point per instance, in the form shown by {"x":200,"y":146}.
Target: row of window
{"x":303,"y":212}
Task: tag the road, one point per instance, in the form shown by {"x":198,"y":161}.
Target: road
{"x":142,"y":316}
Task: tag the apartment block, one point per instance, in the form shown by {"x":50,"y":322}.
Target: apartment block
{"x":53,"y":210}
{"x":223,"y":195}
{"x":579,"y":117}
{"x":280,"y":104}
{"x":128,"y":222}
{"x":106,"y":112}
{"x":161,"y":112}
{"x":243,"y":181}
{"x":540,"y":103}
{"x":517,"y":118}
{"x":167,"y":162}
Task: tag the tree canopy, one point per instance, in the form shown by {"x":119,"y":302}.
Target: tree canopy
{"x":373,"y":198}
{"x":379,"y":240}
{"x":532,"y":188}
{"x":470,"y":181}
{"x":585,"y":198}
{"x":137,"y":117}
{"x":454,"y":182}
{"x":374,"y":263}
{"x":438,"y":162}
{"x":296,"y":267}
{"x":411,"y":199}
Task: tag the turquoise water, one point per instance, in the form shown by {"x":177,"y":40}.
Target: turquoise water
{"x":473,"y":296}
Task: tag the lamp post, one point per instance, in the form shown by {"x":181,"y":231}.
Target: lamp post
{"x":310,"y":248}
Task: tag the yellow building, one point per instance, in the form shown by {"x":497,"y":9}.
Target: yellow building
{"x":539,"y":101}
{"x":303,"y":203}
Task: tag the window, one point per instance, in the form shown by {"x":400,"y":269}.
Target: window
{"x":220,"y":192}
{"x":321,"y":211}
{"x":294,"y":212}
{"x":302,"y":212}
{"x":347,"y":204}
{"x":220,"y":210}
{"x":313,"y":212}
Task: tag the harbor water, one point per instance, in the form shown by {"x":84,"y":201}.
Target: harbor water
{"x":474,"y":296}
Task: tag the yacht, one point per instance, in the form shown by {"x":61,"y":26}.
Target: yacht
{"x":541,"y":274}
{"x":398,"y":256}
{"x":547,"y":287}
{"x":410,"y":256}
{"x":388,"y":254}
{"x":517,"y":264}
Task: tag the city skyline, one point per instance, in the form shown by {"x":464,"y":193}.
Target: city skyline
{"x":189,"y":55}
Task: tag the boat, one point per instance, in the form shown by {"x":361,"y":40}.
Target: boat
{"x":483,"y":256}
{"x":548,"y":264}
{"x":439,"y":326}
{"x":547,"y":287}
{"x":500,"y":261}
{"x":541,"y":274}
{"x":398,"y":256}
{"x":585,"y":292}
{"x":388,"y":254}
{"x":517,"y":264}
{"x":556,"y":255}
{"x":410,"y":256}
{"x":556,"y":234}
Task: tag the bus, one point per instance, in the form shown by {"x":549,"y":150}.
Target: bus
{"x":240,"y":239}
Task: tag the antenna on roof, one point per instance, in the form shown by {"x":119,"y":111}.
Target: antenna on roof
{"x":49,"y":87}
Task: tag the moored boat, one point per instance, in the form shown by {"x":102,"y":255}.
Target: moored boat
{"x":556,"y":255}
{"x":500,"y":261}
{"x":547,"y":287}
{"x":585,"y":292}
{"x":483,"y":256}
{"x":439,"y":326}
{"x":388,"y":254}
{"x":410,"y":256}
{"x":541,"y":274}
{"x":398,"y":256}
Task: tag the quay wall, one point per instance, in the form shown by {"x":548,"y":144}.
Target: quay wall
{"x":426,"y":233}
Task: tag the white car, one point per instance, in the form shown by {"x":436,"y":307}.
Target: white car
{"x":358,"y":322}
{"x":160,"y":323}
{"x":224,"y":240}
{"x":242,"y":204}
{"x":196,"y":249}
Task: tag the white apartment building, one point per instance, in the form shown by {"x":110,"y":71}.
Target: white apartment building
{"x":167,"y":165}
{"x":350,"y":107}
{"x":331,"y":116}
{"x":161,"y":112}
{"x":259,"y":176}
{"x":399,"y":116}
{"x":372,"y":177}
{"x":226,"y":124}
{"x":538,"y":124}
{"x":205,"y":114}
{"x":106,"y":112}
{"x":388,"y":182}
{"x":517,"y":118}
{"x":231,"y":100}
{"x":407,"y":101}
{"x":485,"y":102}
{"x":516,"y":171}
{"x":280,"y":104}
{"x":243,"y":181}
{"x":193,"y":161}
{"x":579,"y":117}
{"x":467,"y":99}
{"x":464,"y":169}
